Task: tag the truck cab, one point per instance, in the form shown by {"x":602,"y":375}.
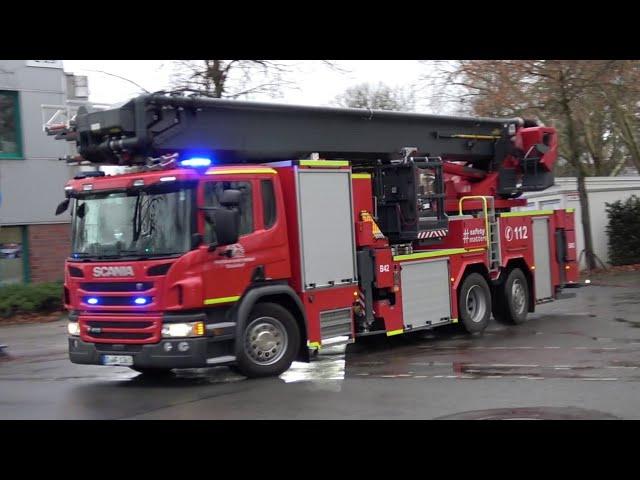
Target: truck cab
{"x":163,"y":265}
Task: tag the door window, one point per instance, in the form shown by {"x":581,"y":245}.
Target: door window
{"x":213,"y":194}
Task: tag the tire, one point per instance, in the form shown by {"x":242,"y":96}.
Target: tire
{"x":474,"y":303}
{"x":153,"y":372}
{"x":269,"y":342}
{"x":512,"y":300}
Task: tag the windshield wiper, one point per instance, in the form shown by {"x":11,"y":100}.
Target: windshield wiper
{"x":151,"y":254}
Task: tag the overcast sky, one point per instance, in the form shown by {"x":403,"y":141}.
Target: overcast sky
{"x":317,"y":85}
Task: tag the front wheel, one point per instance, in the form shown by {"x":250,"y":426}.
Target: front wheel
{"x":269,"y":341}
{"x":474,"y":303}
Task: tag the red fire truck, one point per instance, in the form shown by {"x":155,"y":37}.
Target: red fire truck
{"x":251,"y":234}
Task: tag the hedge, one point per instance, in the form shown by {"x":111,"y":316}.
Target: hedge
{"x":30,"y":298}
{"x":624,"y":231}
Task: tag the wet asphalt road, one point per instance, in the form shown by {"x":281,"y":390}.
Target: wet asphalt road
{"x":575,"y":358}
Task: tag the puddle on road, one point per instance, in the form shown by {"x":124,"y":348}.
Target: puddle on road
{"x":532,"y":413}
{"x":630,"y":323}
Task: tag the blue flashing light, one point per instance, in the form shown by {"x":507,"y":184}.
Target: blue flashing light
{"x":195,"y":162}
{"x":92,"y":301}
{"x":140,"y":301}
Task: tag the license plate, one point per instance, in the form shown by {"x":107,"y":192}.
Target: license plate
{"x":126,"y":360}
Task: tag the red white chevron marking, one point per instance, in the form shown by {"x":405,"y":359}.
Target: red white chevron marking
{"x":433,"y":233}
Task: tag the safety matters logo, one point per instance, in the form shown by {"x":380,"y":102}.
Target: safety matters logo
{"x":473,"y":235}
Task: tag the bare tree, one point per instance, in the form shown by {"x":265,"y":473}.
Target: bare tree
{"x":239,"y":78}
{"x":568,"y":94}
{"x":377,"y":97}
{"x":622,"y":94}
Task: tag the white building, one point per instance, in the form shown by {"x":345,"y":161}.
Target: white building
{"x":601,"y":190}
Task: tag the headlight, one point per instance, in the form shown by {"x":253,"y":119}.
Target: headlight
{"x":194,"y":329}
{"x":73,"y":328}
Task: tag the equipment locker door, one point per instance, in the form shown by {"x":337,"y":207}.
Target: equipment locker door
{"x":542,"y":257}
{"x":425,"y":293}
{"x":327,"y":243}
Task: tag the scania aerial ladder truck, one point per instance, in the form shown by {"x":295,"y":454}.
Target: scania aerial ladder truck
{"x":251,"y":234}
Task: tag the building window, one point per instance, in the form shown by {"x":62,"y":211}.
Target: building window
{"x":10,"y":133}
{"x":12,"y":254}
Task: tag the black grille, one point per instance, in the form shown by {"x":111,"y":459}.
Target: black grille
{"x":116,"y":286}
{"x":75,"y":272}
{"x":159,"y":269}
{"x":100,"y":324}
{"x":109,"y":347}
{"x":122,"y":335}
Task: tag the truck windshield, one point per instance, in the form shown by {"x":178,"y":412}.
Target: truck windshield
{"x":143,"y":223}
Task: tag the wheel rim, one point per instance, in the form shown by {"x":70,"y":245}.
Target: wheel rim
{"x":518,"y":295}
{"x":476,"y":304}
{"x":265,"y":340}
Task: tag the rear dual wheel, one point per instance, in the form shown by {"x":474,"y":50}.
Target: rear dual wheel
{"x":474,"y":303}
{"x":512,"y":299}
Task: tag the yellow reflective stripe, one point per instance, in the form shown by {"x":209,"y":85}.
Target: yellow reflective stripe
{"x":526,"y":213}
{"x":324,"y":163}
{"x":571,"y":210}
{"x":437,"y":253}
{"x":477,"y":137}
{"x":227,"y":171}
{"x":313,"y":344}
{"x":454,"y":320}
{"x":394,"y":332}
{"x":434,"y":253}
{"x":214,"y":301}
{"x":361,"y":175}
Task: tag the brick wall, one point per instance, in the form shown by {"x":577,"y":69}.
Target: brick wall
{"x":49,"y":245}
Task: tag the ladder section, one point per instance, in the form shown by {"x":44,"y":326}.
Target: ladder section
{"x":491,"y":228}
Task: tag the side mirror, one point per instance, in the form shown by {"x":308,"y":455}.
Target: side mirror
{"x":81,"y":210}
{"x":230,"y":198}
{"x":62,"y":207}
{"x":226,"y":226}
{"x":542,"y":148}
{"x":196,"y":240}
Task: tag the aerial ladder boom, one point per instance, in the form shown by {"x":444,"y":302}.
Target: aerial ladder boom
{"x":421,"y":164}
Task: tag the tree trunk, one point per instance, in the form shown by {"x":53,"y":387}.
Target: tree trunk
{"x":586,"y":221}
{"x":218,"y":77}
{"x":574,"y":158}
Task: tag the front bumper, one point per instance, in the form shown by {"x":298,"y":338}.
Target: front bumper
{"x":202,"y":352}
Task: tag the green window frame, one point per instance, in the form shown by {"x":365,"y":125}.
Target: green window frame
{"x":18,"y":154}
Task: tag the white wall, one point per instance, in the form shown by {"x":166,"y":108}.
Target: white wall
{"x":601,"y":190}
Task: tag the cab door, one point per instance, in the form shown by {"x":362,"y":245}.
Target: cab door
{"x":261,"y":251}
